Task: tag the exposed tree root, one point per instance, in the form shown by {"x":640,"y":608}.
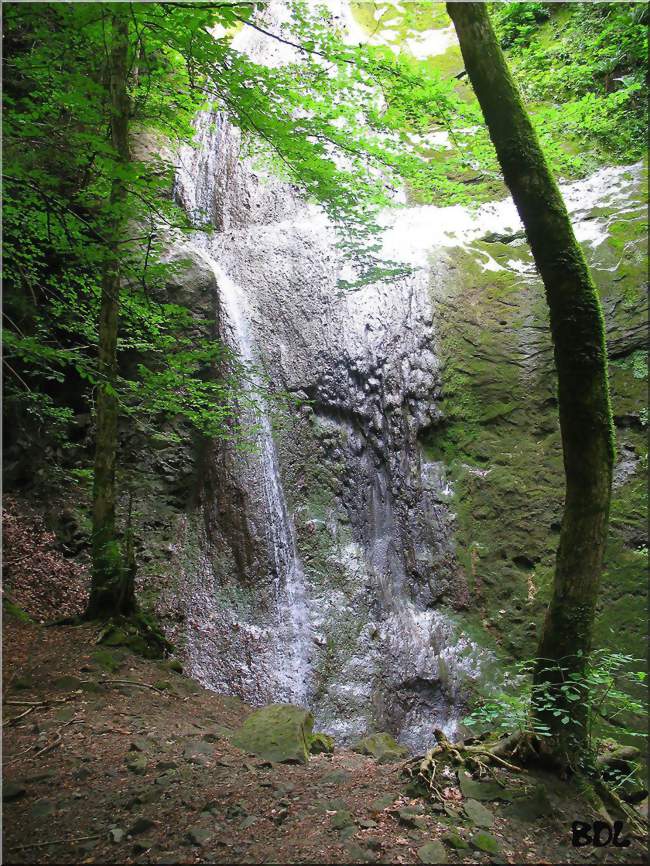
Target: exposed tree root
{"x":424,"y":771}
{"x":610,"y":798}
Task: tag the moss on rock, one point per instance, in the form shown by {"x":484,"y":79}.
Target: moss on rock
{"x":278,"y":732}
{"x":381,"y":746}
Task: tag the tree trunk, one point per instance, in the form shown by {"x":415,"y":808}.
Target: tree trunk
{"x":577,"y":330}
{"x":112,"y":591}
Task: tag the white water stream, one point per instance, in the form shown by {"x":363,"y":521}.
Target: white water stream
{"x":293,"y":628}
{"x":216,"y":186}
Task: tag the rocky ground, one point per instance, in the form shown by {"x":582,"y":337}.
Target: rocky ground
{"x":112,"y":758}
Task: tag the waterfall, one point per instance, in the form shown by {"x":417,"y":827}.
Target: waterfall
{"x":352,"y":605}
{"x":293,"y":629}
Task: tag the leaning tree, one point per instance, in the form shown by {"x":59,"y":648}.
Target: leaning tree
{"x":578,"y":334}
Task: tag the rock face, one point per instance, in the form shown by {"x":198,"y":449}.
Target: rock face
{"x":411,"y":495}
{"x":280,"y":733}
{"x":323,"y":561}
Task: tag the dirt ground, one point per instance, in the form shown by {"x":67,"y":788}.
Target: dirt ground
{"x":110,"y":758}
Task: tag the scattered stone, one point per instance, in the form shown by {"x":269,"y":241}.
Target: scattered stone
{"x":151,"y":795}
{"x":87,"y":845}
{"x":107,"y":660}
{"x":335,"y":805}
{"x":165,"y":779}
{"x":531,"y":806}
{"x":342,"y":819}
{"x":137,"y":763}
{"x":65,"y":714}
{"x":455,"y":841}
{"x":13,"y":791}
{"x":321,"y":744}
{"x":383,"y":802}
{"x":42,"y":808}
{"x":432,"y":852}
{"x":141,"y":845}
{"x":43,"y":726}
{"x":281,"y":816}
{"x":484,"y":842}
{"x":357,"y":852}
{"x":279,"y":732}
{"x":67,"y":683}
{"x":366,"y":823}
{"x":485,"y":791}
{"x":337,"y":777}
{"x":199,"y":835}
{"x":412,"y":817}
{"x":236,"y":810}
{"x":216,"y":733}
{"x":116,"y":834}
{"x":198,"y":752}
{"x":383,"y":747}
{"x":141,"y":826}
{"x":478,"y":814}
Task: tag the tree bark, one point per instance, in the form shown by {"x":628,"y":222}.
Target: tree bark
{"x":578,"y":335}
{"x":112,"y":590}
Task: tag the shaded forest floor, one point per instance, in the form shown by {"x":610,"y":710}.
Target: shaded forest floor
{"x":109,"y":757}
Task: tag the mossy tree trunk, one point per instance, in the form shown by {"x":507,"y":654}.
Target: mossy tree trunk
{"x":112,"y":590}
{"x":581,"y":361}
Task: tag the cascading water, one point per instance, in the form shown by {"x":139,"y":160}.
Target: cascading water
{"x":352,"y":608}
{"x":293,"y":630}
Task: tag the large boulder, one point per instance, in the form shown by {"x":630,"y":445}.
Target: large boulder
{"x":381,"y":746}
{"x":279,"y":732}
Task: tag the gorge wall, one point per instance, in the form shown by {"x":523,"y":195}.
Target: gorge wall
{"x":392,"y":533}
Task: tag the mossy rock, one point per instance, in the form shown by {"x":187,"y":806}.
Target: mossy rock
{"x":432,"y":852}
{"x":381,"y":746}
{"x":321,"y":744}
{"x":484,"y":842}
{"x":107,"y":660}
{"x":455,"y":841}
{"x":485,"y":791}
{"x":278,"y":732}
{"x":478,"y":814}
{"x":531,"y":806}
{"x":139,"y":633}
{"x":12,"y":610}
{"x":342,"y":819}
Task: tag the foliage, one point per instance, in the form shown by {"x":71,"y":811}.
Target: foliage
{"x":637,"y":362}
{"x":517,"y":23}
{"x":582,"y":68}
{"x":334,"y":119}
{"x":607,"y":687}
